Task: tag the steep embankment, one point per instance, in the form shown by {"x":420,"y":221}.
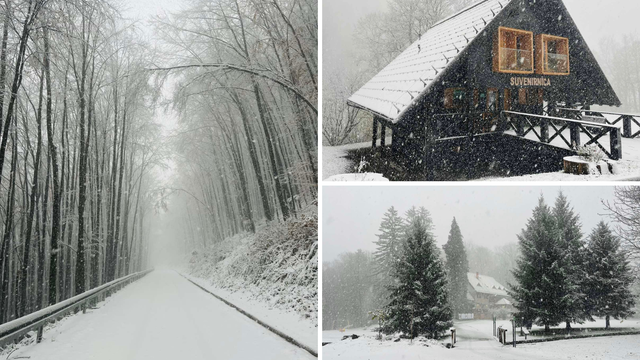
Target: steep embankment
{"x":272,"y":274}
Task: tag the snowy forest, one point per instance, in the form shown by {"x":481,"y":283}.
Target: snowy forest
{"x":557,"y":272}
{"x":86,"y":164}
{"x":380,"y":36}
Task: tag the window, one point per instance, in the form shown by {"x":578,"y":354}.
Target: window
{"x":513,"y":51}
{"x":454,"y":98}
{"x":553,"y":55}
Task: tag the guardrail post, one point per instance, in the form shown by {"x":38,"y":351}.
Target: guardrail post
{"x":616,"y":144}
{"x":575,"y":134}
{"x":626,"y":126}
{"x":39,"y":336}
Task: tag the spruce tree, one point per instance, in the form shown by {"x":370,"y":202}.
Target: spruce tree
{"x":457,"y":269}
{"x":419,"y":303}
{"x":389,"y":244}
{"x":573,"y":263}
{"x":540,"y":293}
{"x":609,"y":279}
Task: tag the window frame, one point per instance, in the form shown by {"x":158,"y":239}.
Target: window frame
{"x":542,"y":49}
{"x":498,"y":51}
{"x":450,"y":98}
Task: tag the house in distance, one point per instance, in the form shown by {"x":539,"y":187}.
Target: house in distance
{"x":487,"y":79}
{"x":488,"y":297}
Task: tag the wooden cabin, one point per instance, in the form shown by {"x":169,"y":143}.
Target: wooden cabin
{"x":522,"y":56}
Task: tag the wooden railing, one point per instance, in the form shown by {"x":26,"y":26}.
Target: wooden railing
{"x":17,"y":328}
{"x":540,"y":125}
{"x":627,"y":120}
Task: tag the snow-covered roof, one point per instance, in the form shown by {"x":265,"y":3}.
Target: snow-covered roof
{"x":486,"y":285}
{"x":503,"y":302}
{"x":398,"y":85}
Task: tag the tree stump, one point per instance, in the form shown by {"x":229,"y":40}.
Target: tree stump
{"x":576,"y":165}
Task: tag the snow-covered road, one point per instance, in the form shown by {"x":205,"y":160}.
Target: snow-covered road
{"x":162,"y":316}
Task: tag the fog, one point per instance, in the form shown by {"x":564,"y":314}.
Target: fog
{"x":596,"y":19}
{"x":487,"y":216}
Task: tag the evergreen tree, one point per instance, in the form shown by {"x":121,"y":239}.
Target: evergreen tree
{"x":457,"y":269}
{"x":419,"y":304}
{"x":609,"y":279}
{"x":389,"y":244}
{"x":573,"y":263}
{"x":540,"y":292}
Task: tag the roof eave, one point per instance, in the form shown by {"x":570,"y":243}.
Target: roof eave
{"x":372,"y":112}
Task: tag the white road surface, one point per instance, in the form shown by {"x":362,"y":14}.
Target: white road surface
{"x":161,"y":316}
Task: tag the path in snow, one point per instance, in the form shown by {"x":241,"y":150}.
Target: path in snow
{"x":161,"y":316}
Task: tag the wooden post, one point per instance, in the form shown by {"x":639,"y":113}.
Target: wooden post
{"x":519,"y":125}
{"x":494,"y":325}
{"x":544,"y":130}
{"x":575,"y":134}
{"x":616,"y":144}
{"x":375,"y":132}
{"x":626,"y":126}
{"x":383,"y":135}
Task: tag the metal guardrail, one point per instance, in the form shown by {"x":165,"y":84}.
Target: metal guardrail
{"x":14,"y":329}
{"x":524,"y":123}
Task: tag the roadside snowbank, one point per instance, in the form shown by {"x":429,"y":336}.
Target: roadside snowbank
{"x":272,"y":274}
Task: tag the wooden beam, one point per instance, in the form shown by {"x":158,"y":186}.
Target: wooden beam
{"x":375,"y":132}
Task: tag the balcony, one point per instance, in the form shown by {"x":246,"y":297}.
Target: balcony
{"x":516,"y":60}
{"x":557,"y":64}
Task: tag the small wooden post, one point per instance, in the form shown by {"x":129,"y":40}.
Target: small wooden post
{"x":626,"y":126}
{"x":375,"y":132}
{"x":575,"y":134}
{"x":616,"y":144}
{"x":383,"y":135}
{"x":494,"y":325}
{"x":513,"y":322}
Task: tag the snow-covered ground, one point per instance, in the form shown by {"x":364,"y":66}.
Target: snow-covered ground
{"x":161,"y":316}
{"x":475,"y":341}
{"x":628,"y":167}
{"x":334,"y":161}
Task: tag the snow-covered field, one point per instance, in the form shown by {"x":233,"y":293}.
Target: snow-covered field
{"x":271,"y":275}
{"x":475,"y":341}
{"x":162,"y":316}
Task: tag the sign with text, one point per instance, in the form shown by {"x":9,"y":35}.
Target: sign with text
{"x":465,"y":316}
{"x":532,"y":81}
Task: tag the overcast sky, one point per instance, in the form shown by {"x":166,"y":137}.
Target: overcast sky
{"x":487,"y":216}
{"x":596,"y":19}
